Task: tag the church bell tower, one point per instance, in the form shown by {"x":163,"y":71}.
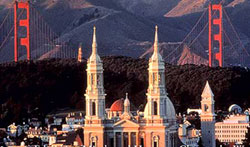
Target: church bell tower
{"x":207,"y":117}
{"x":156,"y":93}
{"x":159,"y":111}
{"x":95,"y":99}
{"x":95,"y":96}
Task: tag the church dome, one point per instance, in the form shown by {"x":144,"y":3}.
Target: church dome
{"x":235,"y":108}
{"x":117,"y":105}
{"x":170,"y":110}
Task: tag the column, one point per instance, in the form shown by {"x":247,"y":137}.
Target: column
{"x":129,"y":139}
{"x":159,"y":106}
{"x":87,"y":108}
{"x":97,"y":107}
{"x":137,"y":139}
{"x":122,"y":139}
{"x":144,"y":136}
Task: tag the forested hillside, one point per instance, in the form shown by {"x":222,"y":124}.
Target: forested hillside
{"x":39,"y":87}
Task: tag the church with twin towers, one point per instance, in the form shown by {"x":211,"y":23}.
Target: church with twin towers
{"x":118,"y":126}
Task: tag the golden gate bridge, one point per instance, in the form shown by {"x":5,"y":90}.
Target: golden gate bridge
{"x":214,"y":38}
{"x":25,"y":35}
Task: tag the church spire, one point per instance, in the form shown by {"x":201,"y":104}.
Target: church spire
{"x":126,"y":113}
{"x":126,"y":102}
{"x":156,"y":43}
{"x":156,"y":55}
{"x":94,"y":56}
{"x":94,"y":43}
{"x":207,"y":92}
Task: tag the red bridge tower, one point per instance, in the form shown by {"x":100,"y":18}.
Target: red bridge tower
{"x":21,"y":23}
{"x":215,"y":9}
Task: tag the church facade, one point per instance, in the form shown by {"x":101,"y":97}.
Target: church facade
{"x":155,"y":127}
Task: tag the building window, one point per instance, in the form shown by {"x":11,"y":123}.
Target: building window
{"x":142,"y":142}
{"x":93,"y":108}
{"x":205,"y":108}
{"x":155,"y":108}
{"x":155,"y":141}
{"x":111,"y":142}
{"x":155,"y":144}
{"x":94,"y":142}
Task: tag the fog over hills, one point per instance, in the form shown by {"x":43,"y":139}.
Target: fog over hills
{"x":126,"y":27}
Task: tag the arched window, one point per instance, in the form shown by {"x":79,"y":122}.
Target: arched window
{"x":155,"y":141}
{"x":91,"y":79}
{"x":155,"y":144}
{"x":159,"y":78}
{"x":155,"y":108}
{"x":98,"y":80}
{"x":94,"y":141}
{"x":142,"y":142}
{"x":205,"y":108}
{"x":93,"y":108}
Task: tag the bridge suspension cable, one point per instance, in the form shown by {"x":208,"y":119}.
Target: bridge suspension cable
{"x":194,"y":27}
{"x":236,"y":33}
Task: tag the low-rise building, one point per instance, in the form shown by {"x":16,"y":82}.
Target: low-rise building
{"x":67,"y":139}
{"x":14,"y":130}
{"x":73,"y":122}
{"x":233,"y":129}
{"x":34,"y":132}
{"x":188,"y":134}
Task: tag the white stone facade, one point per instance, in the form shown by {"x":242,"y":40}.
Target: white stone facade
{"x":156,"y":127}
